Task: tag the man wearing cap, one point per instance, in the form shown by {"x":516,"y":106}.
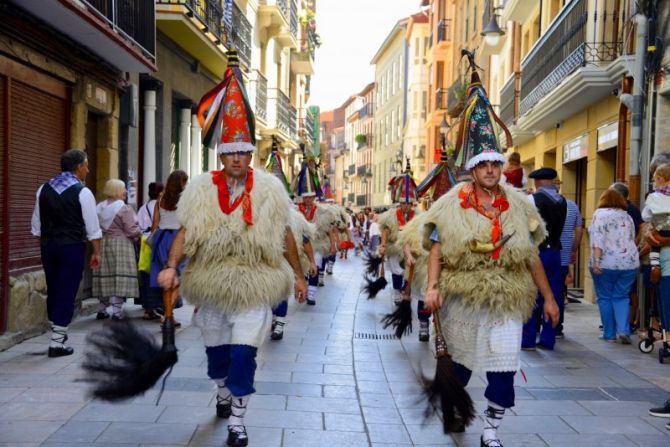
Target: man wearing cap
{"x":553,"y":209}
{"x":483,"y":268}
{"x":242,"y":257}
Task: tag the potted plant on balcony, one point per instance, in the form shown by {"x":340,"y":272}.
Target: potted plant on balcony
{"x":360,"y":140}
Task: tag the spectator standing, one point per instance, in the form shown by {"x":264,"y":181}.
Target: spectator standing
{"x":657,"y":212}
{"x":151,"y":297}
{"x":571,"y":239}
{"x":165,"y":227}
{"x":116,"y":279}
{"x":375,"y":234}
{"x":553,"y":208}
{"x":613,"y":264}
{"x":64,"y":218}
{"x":514,"y":174}
{"x":634,"y":214}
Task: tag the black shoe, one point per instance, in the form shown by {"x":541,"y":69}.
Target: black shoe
{"x":60,"y":352}
{"x":322,"y":284}
{"x":661,"y":412}
{"x":491,"y":443}
{"x":278,"y":331}
{"x":560,"y":335}
{"x":544,"y":347}
{"x":237,"y":435}
{"x":311,"y":302}
{"x":101,"y":316}
{"x":224,"y":408}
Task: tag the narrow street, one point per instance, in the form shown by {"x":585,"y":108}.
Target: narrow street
{"x":338,"y":379}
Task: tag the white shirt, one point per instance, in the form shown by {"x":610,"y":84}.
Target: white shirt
{"x":88,"y":212}
{"x":145,"y":217}
{"x":656,"y":203}
{"x":374,"y":229}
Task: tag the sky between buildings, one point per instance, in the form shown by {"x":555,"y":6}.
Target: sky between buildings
{"x":351,"y":33}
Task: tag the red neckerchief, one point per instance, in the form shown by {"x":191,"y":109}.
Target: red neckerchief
{"x":303,"y":210}
{"x":500,"y":204}
{"x":219,"y":179}
{"x":401,"y":217}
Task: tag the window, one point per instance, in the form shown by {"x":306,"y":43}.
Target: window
{"x":392,"y":125}
{"x":424,"y":103}
{"x":399,"y":125}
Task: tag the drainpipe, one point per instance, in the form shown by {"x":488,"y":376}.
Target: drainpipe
{"x":626,"y":88}
{"x":638,"y":107}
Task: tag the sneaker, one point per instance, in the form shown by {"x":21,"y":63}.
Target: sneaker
{"x":661,"y":412}
{"x":624,"y":339}
{"x":424,"y":332}
{"x":278,"y":331}
{"x":559,"y":335}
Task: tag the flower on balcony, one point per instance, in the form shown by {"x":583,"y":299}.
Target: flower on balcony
{"x":360,"y":139}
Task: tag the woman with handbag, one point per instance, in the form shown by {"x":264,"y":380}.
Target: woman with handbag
{"x":163,"y":230}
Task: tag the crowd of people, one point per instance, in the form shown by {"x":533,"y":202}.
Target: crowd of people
{"x":489,"y":259}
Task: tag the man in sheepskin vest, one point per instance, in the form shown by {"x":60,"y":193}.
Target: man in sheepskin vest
{"x":242,"y":257}
{"x":324,"y":242}
{"x":403,"y":192}
{"x":483,"y":265}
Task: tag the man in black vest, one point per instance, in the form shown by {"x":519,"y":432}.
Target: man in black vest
{"x":64,"y":219}
{"x":553,"y":208}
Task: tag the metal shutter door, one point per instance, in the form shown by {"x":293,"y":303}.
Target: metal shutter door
{"x":37,"y":138}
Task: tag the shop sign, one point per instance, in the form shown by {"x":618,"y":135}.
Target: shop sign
{"x":608,"y":136}
{"x":576,"y":149}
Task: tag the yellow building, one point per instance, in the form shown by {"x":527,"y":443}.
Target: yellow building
{"x":566,"y":63}
{"x":390,"y":76}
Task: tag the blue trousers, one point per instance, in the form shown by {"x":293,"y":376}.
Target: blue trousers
{"x":612,"y":289}
{"x":234,"y":363}
{"x":63,"y":268}
{"x":421,"y":311}
{"x":281,"y":310}
{"x":398,"y":281}
{"x":663,"y":300}
{"x":500,"y":387}
{"x":551,"y":261}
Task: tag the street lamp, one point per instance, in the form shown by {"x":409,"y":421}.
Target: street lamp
{"x":492,"y":31}
{"x":444,"y":130}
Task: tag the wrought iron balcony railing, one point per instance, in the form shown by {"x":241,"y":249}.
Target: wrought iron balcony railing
{"x":564,"y":48}
{"x":351,"y":197}
{"x":292,"y":15}
{"x":261,"y":96}
{"x":441,"y":99}
{"x":292,"y":121}
{"x":444,"y":30}
{"x":306,"y":125}
{"x":364,"y":111}
{"x":361,"y":200}
{"x":508,"y":100}
{"x":351,"y":170}
{"x":237,"y":31}
{"x":454,"y":94}
{"x":136,"y":21}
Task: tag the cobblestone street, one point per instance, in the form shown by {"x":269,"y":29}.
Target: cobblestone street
{"x":334,"y":381}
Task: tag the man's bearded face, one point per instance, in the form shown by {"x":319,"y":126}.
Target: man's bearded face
{"x":487,"y":174}
{"x":405,"y":208}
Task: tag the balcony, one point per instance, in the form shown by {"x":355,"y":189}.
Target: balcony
{"x":238,"y":34}
{"x":565,"y":72}
{"x":361,"y":200}
{"x":281,"y":21}
{"x":443,"y":31}
{"x":281,"y":115}
{"x":365,"y":111}
{"x":509,"y":100}
{"x":306,"y":125}
{"x":258,"y":87}
{"x":302,"y":62}
{"x":199,"y":27}
{"x":352,"y":170}
{"x":361,"y":171}
{"x":120,"y":32}
{"x":441,"y":96}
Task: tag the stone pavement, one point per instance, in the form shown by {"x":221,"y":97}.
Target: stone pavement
{"x":337,"y":379}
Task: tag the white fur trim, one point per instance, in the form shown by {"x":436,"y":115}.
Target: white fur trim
{"x":308,"y":194}
{"x":236,"y":146}
{"x":485,"y":156}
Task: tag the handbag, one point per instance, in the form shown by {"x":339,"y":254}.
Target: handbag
{"x":144,"y":263}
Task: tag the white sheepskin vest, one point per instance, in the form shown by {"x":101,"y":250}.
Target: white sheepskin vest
{"x":389,"y":220}
{"x":412,"y":234}
{"x":301,"y":228}
{"x":232,"y":266}
{"x":503,"y":287}
{"x":324,"y":218}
